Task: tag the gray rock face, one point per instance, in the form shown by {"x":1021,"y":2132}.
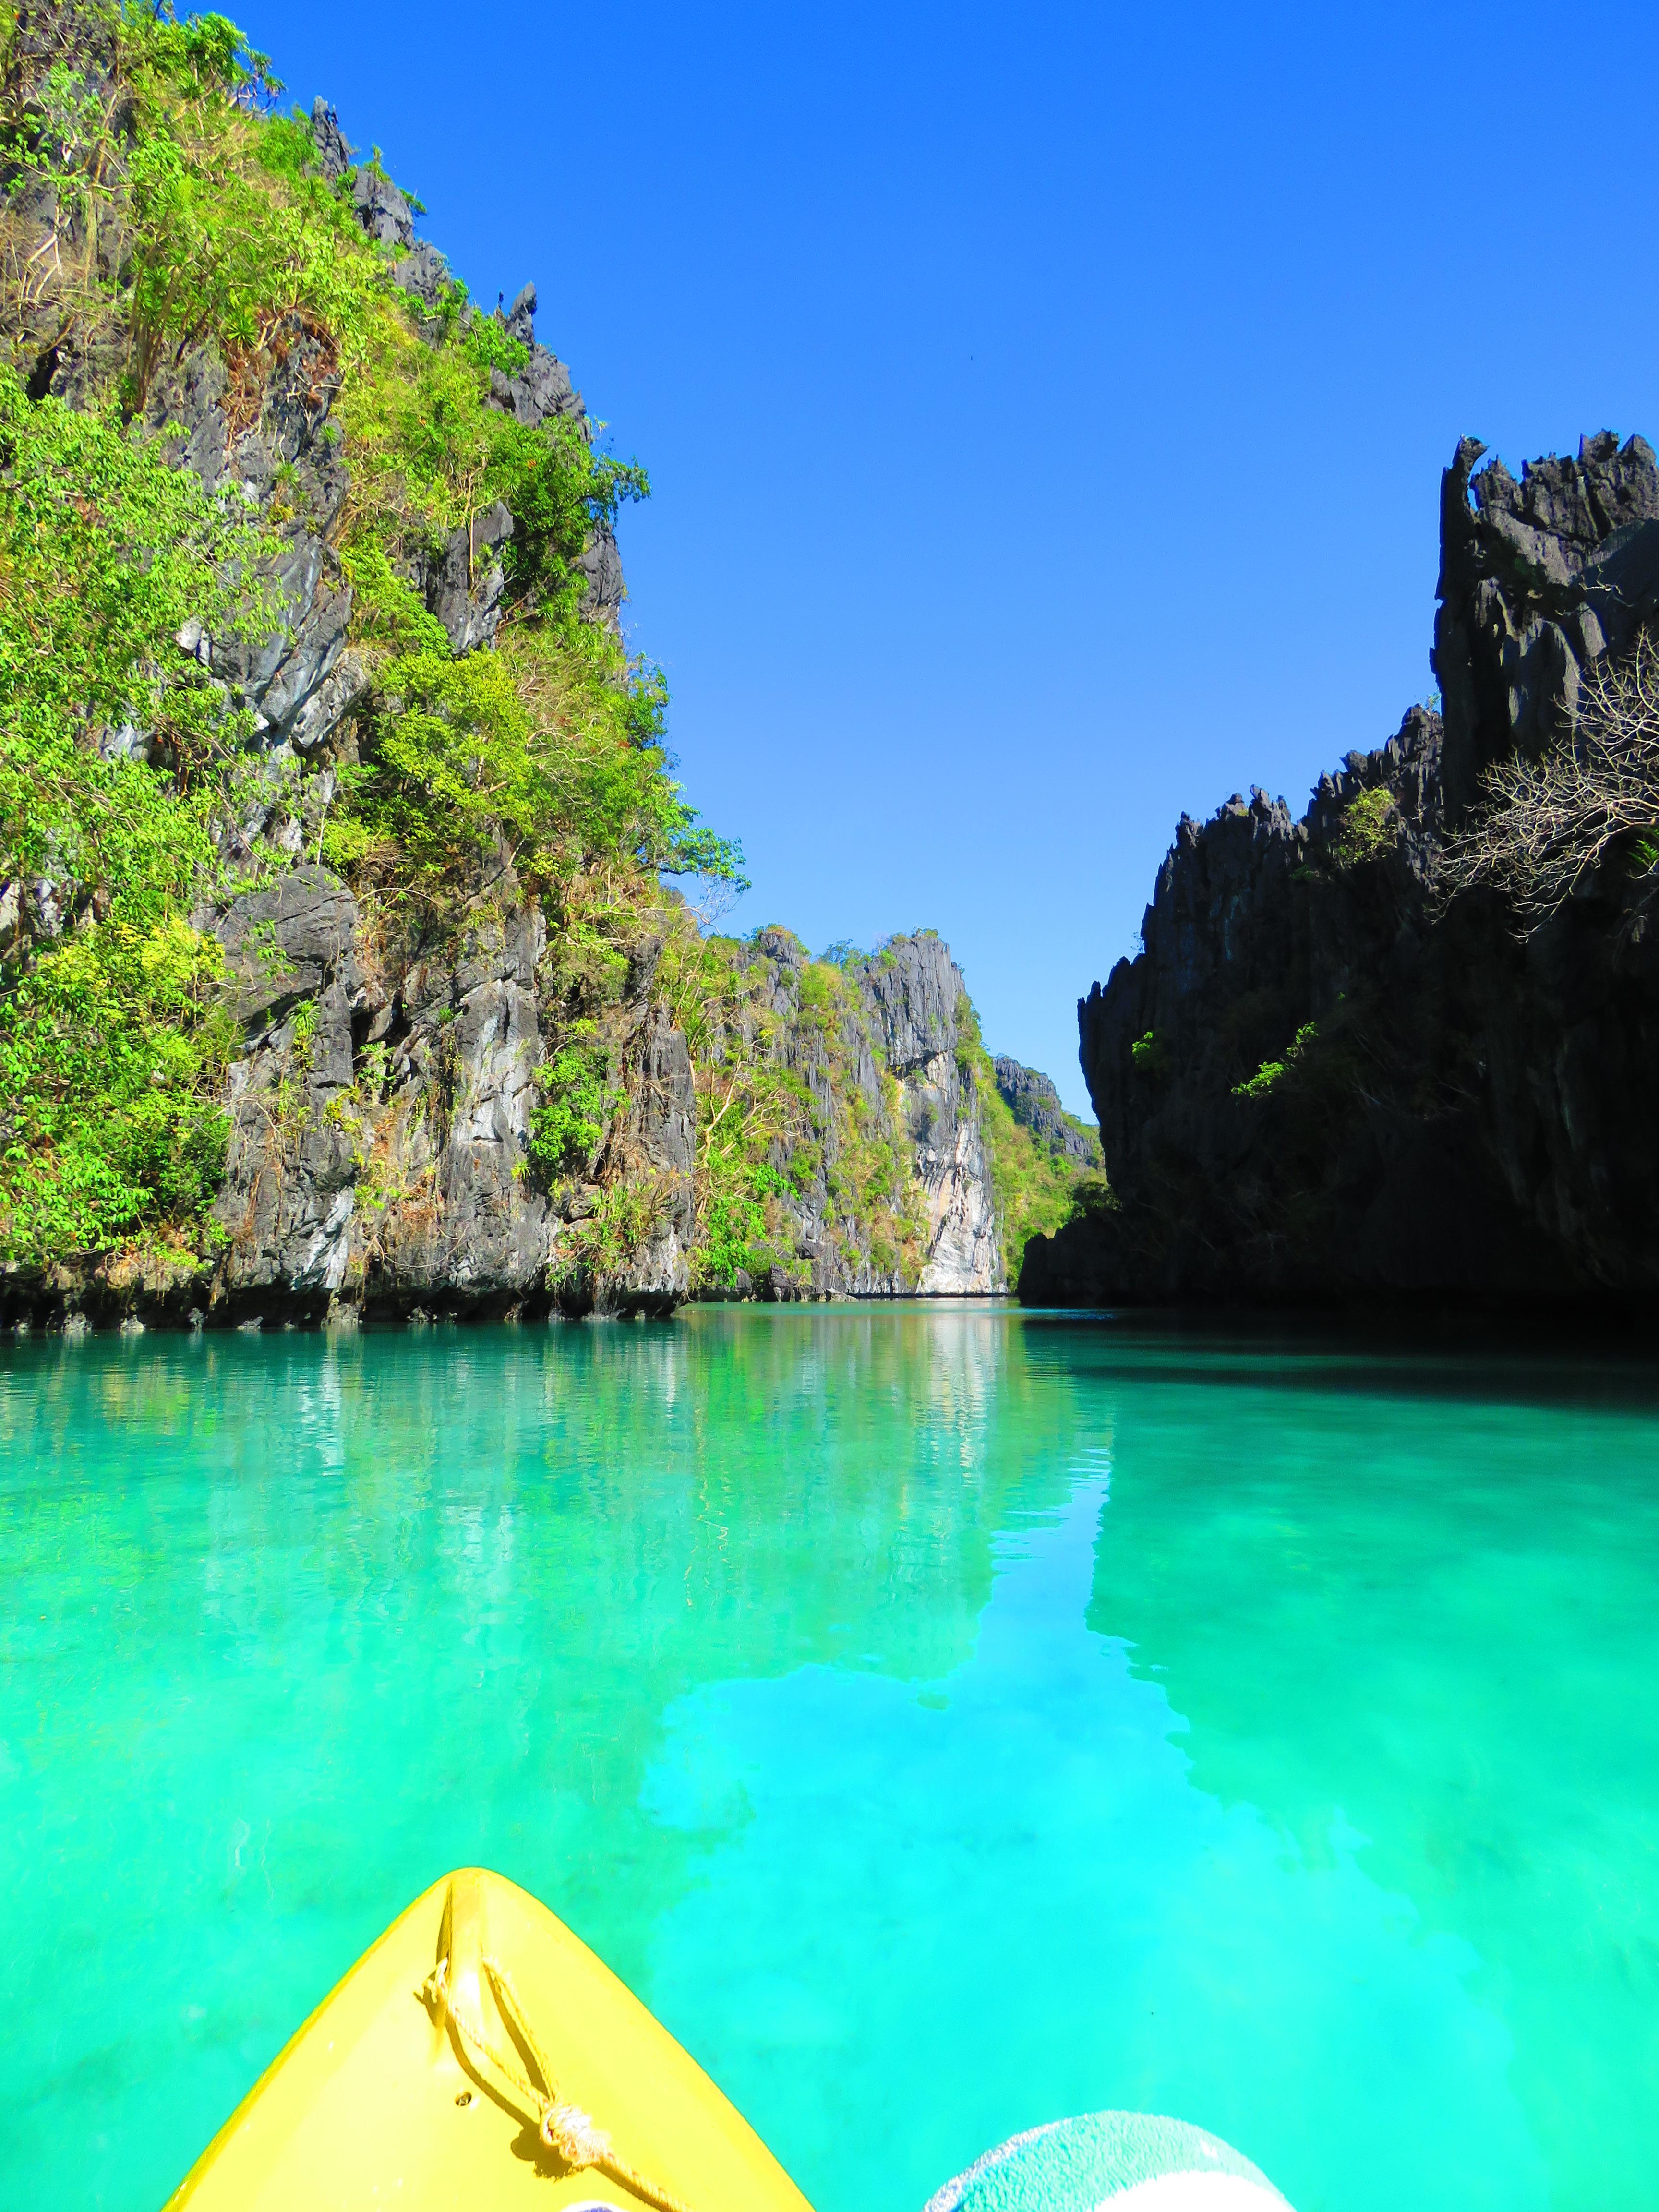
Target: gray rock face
{"x":652,"y":1145}
{"x":1033,"y":1101}
{"x":914,"y":990}
{"x":381,"y":1110}
{"x":289,"y":1190}
{"x":916,"y":994}
{"x":333,"y":154}
{"x":327,"y":704}
{"x":283,"y":942}
{"x":287,"y":679}
{"x":463,"y":588}
{"x":382,"y":209}
{"x":836,"y":1264}
{"x":541,"y":390}
{"x":423,"y":271}
{"x":463,"y":1220}
{"x":302,"y":681}
{"x":601,"y":563}
{"x":1455,"y":1110}
{"x":1536,"y":579}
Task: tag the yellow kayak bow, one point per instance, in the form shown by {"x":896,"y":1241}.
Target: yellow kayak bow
{"x":480,"y":2056}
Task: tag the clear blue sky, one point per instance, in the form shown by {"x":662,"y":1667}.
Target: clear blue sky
{"x":1045,"y":405}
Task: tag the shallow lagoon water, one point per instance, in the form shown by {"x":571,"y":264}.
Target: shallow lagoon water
{"x":944,"y":1717}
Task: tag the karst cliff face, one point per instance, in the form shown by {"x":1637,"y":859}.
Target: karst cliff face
{"x":1324,"y":1074}
{"x":382,"y":1128}
{"x":381,"y":1103}
{"x":915,"y":994}
{"x":385,"y":1008}
{"x":382,"y":1121}
{"x":380,"y":1097}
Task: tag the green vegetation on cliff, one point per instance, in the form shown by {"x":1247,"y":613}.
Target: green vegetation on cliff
{"x":1037,"y":1188}
{"x":155,"y":218}
{"x":112,"y":1041}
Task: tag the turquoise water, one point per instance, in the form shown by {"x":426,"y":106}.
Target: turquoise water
{"x":946,"y":1718}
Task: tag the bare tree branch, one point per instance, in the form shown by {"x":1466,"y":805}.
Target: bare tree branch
{"x":1547,"y":825}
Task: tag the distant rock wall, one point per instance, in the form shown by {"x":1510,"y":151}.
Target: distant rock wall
{"x":915,"y":991}
{"x":1318,"y":1077}
{"x":894,"y":1064}
{"x":380,"y":1161}
{"x":1035,"y":1104}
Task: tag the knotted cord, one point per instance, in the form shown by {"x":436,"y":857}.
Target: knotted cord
{"x":562,"y":2127}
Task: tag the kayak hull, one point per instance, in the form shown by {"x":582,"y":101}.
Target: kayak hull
{"x":421,"y":2082}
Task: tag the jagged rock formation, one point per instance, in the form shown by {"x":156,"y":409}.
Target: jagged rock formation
{"x":1321,"y":1078}
{"x":381,"y":1124}
{"x":1033,"y":1101}
{"x":381,"y":1106}
{"x":916,"y":992}
{"x":382,"y":1128}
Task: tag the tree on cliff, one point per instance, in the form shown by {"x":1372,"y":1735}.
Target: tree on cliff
{"x":1547,"y":825}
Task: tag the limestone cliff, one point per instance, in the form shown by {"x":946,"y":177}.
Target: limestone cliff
{"x":916,"y":995}
{"x":379,"y":1042}
{"x":379,"y":1005}
{"x":1325,"y":1074}
{"x":861,"y":1167}
{"x":383,"y":1114}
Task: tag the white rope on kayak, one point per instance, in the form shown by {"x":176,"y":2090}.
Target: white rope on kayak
{"x":566,"y":2129}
